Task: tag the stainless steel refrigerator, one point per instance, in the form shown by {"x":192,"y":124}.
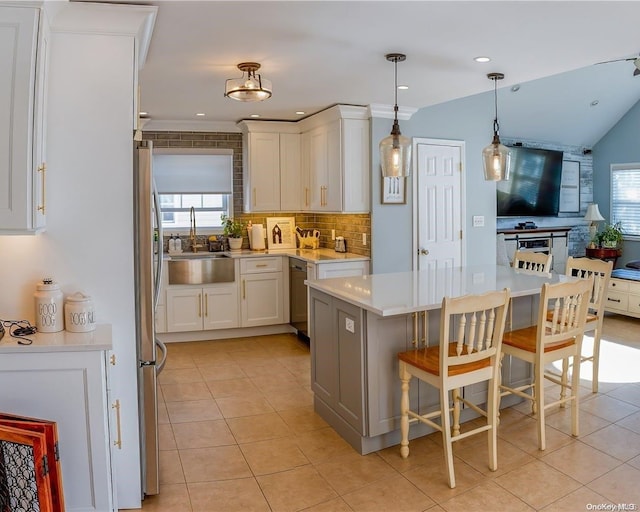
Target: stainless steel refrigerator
{"x":151,"y":352}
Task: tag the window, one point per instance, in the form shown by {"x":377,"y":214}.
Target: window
{"x":192,"y":178}
{"x":208,"y":208}
{"x":625,"y":198}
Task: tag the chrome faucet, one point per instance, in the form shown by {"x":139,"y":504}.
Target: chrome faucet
{"x":193,"y":237}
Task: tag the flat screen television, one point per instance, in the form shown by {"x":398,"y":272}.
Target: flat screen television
{"x":533,"y":189}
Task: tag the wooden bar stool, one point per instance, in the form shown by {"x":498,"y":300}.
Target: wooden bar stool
{"x":558,"y":335}
{"x":471,"y":331}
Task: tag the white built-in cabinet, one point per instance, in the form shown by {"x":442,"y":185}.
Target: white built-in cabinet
{"x":271,"y":172}
{"x":262,"y":300}
{"x":318,"y":164}
{"x":203,"y":308}
{"x":24,"y":50}
{"x":70,"y":388}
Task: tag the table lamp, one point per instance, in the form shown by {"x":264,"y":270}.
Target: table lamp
{"x":593,"y":216}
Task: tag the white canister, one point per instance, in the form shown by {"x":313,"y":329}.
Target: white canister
{"x":48,"y":299}
{"x":79,"y":315}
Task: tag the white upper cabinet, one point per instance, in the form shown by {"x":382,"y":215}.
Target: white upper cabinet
{"x":24,"y":39}
{"x":319,"y":164}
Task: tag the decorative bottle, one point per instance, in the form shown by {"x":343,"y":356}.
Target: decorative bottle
{"x":49,"y":306}
{"x":178,"y":244}
{"x":172,"y":244}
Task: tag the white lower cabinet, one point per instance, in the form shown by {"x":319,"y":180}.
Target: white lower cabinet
{"x":326,"y":270}
{"x":262,"y":291}
{"x":69,"y":388}
{"x":202,"y":308}
{"x":623,"y":297}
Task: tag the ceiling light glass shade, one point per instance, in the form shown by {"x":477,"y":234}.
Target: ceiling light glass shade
{"x":395,"y":154}
{"x":395,"y":150}
{"x":496,"y":159}
{"x":251,"y":87}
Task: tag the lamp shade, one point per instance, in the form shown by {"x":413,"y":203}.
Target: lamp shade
{"x":395,"y":156}
{"x":593,"y":213}
{"x":496,"y":160}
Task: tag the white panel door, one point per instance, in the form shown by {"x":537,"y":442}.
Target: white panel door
{"x":262,"y":300}
{"x":439,"y":203}
{"x":184,"y":309}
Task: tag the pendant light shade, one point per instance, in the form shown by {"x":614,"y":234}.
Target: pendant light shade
{"x":496,"y":158}
{"x":395,"y":150}
{"x":251,"y":87}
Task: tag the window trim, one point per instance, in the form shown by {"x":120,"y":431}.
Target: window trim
{"x":633,"y":166}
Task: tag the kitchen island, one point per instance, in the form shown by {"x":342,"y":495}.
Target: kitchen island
{"x":358,"y":324}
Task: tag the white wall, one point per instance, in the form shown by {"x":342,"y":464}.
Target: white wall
{"x":88,"y":242}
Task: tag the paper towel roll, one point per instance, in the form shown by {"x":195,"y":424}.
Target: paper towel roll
{"x":257,"y":237}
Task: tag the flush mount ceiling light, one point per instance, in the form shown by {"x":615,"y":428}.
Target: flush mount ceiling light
{"x":496,"y":158}
{"x":251,"y":87}
{"x":395,"y":150}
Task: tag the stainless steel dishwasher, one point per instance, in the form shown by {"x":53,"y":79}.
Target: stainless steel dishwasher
{"x":298,"y":297}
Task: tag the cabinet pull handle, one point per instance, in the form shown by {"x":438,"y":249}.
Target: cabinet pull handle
{"x":42,"y":169}
{"x":613,"y":300}
{"x":199,"y":305}
{"x":243,"y":289}
{"x":261,"y":265}
{"x":414,"y":337}
{"x":306,"y":196}
{"x":118,"y":441}
{"x":206,"y":304}
{"x":425,"y":329}
{"x":254,"y":196}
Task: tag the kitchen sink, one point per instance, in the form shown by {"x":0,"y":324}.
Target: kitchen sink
{"x":208,"y":268}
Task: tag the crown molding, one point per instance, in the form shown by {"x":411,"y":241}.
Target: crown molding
{"x":386,"y":111}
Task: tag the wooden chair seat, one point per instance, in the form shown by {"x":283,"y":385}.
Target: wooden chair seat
{"x":525,"y":339}
{"x":428,"y":360}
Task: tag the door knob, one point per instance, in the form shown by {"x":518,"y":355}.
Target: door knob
{"x":424,"y":252}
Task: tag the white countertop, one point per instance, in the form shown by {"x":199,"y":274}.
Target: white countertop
{"x":322,"y":255}
{"x":63,"y":341}
{"x":407,"y":292}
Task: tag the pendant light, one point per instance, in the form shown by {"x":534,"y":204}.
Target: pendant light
{"x":250,"y":88}
{"x":395,"y":150}
{"x":496,"y":157}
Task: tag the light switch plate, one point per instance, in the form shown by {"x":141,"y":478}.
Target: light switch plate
{"x":478,"y":221}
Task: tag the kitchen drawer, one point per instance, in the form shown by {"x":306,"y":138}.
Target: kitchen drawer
{"x":619,"y":285}
{"x":617,"y":300}
{"x":256,"y":265}
{"x":634,"y":287}
{"x":634,"y":304}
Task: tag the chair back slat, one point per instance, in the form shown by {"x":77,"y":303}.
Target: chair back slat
{"x":537,"y":262}
{"x":477,"y":324}
{"x":600,"y":271}
{"x":563,"y":310}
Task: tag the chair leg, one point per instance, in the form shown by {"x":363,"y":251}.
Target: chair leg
{"x":539,"y":403}
{"x":564,"y":379}
{"x":575,"y":390}
{"x":596,"y":360}
{"x":405,"y":377}
{"x":534,"y":390}
{"x":446,"y":436}
{"x":455,"y":395}
{"x":492,"y":419}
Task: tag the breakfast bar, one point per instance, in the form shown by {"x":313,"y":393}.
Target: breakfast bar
{"x":358,"y":325}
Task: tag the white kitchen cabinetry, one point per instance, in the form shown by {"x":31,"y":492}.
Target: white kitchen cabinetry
{"x":623,"y":297}
{"x":24,"y":50}
{"x":335,"y":156}
{"x":262,"y":299}
{"x":271,"y":173}
{"x":202,"y":308}
{"x":70,"y":388}
{"x":344,"y":268}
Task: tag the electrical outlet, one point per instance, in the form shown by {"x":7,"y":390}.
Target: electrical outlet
{"x":478,"y":221}
{"x":333,"y":234}
{"x":364,"y":239}
{"x":350,"y":325}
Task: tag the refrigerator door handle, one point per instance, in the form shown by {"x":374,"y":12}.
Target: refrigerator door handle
{"x":159,"y":258}
{"x":163,"y":349}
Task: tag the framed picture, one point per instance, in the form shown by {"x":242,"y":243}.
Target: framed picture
{"x":570,"y":187}
{"x":394,"y":190}
{"x":281,"y":232}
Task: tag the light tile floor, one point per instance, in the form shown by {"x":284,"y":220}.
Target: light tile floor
{"x":238,"y":433}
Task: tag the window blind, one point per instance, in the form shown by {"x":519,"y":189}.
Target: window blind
{"x":194,"y":173}
{"x":625,"y":198}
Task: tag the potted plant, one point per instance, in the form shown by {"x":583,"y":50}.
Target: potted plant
{"x":610,"y":236}
{"x":233,"y":230}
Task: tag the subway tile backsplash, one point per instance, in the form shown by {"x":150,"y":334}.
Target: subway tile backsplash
{"x":349,"y":226}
